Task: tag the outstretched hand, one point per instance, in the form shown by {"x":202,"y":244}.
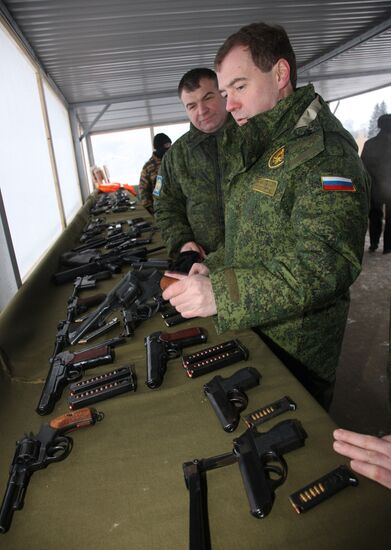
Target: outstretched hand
{"x":371,"y":456}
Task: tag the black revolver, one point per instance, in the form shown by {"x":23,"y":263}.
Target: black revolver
{"x":35,"y":452}
{"x":162,"y":346}
{"x":68,"y":367}
{"x":137,"y":292}
{"x":259,"y":455}
{"x":227,"y":395}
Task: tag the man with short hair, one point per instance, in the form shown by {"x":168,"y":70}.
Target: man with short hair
{"x":296,"y":210}
{"x":188,"y":197}
{"x":376,"y":156}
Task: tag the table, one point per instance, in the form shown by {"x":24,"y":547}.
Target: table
{"x":122,"y":486}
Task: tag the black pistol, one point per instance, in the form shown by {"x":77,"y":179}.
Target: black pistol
{"x":227,"y":395}
{"x":68,"y":367}
{"x":259,"y":455}
{"x":162,"y":346}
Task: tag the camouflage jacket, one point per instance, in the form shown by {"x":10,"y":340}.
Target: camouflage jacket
{"x":188,"y":198}
{"x":147,"y":181}
{"x":296,"y":217}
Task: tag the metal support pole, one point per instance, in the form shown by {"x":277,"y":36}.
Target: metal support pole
{"x":90,"y":150}
{"x":85,"y":191}
{"x":52,"y":155}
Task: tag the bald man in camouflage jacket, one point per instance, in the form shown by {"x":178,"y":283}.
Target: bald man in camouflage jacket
{"x":296,"y":217}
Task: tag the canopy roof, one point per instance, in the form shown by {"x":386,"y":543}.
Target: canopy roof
{"x":118,"y":62}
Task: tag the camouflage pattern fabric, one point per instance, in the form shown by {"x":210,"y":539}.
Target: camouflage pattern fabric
{"x":189,"y":198}
{"x":147,"y":181}
{"x":293,"y":246}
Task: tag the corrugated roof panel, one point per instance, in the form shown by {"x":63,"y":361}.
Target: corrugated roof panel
{"x":96,"y":50}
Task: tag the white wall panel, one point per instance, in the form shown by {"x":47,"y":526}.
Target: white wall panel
{"x":27,"y":181}
{"x":64,"y":153}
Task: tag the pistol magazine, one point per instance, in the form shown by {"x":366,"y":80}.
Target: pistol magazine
{"x":265,"y":413}
{"x":213,"y":358}
{"x":323,"y":488}
{"x":104,"y":386}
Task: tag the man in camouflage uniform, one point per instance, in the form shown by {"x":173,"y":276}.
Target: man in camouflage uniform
{"x":188,"y":195}
{"x":296,"y":214}
{"x":161,"y":144}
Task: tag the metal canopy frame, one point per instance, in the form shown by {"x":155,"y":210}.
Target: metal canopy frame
{"x":343,"y":56}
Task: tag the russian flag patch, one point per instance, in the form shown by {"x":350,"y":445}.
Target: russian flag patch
{"x":336,"y":183}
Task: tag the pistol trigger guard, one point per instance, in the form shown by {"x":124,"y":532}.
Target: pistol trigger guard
{"x":73,"y":375}
{"x":59,"y":449}
{"x":275,"y":464}
{"x":173,"y":351}
{"x":238,"y":399}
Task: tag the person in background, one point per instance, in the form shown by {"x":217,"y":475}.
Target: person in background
{"x":376,"y":156}
{"x":161,"y":144}
{"x":371,"y":456}
{"x":296,"y":209}
{"x":189,"y":196}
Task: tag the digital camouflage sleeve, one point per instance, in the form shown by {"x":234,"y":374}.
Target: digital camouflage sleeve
{"x":188,"y":197}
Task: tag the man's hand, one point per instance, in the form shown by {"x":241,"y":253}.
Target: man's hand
{"x":191,"y":245}
{"x":192,"y":296}
{"x":371,"y":456}
{"x":199,"y":269}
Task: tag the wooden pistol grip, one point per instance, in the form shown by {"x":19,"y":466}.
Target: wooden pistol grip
{"x":165,"y":282}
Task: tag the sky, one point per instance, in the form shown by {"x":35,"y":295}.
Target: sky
{"x":124,"y":153}
{"x":355,"y":112}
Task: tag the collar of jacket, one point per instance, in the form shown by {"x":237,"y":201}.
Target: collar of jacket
{"x":196,"y":136}
{"x":289,"y":113}
{"x":245,"y":144}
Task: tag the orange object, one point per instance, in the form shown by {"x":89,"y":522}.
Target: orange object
{"x":111,"y":187}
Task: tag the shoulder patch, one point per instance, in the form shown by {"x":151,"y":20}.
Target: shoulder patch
{"x":277,"y":158}
{"x":336,"y":183}
{"x":158,"y":186}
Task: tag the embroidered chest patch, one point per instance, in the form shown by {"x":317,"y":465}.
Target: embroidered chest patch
{"x":336,"y":183}
{"x":277,"y":158}
{"x":265,"y":186}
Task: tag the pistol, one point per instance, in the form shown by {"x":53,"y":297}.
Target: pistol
{"x":35,"y":452}
{"x":261,"y":464}
{"x":162,"y":346}
{"x":227,"y":395}
{"x":68,"y":367}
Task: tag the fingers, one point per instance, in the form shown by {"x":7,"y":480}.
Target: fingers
{"x":368,"y":442}
{"x":199,"y":269}
{"x":174,"y":289}
{"x":192,"y":296}
{"x":371,"y":456}
{"x":371,"y":471}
